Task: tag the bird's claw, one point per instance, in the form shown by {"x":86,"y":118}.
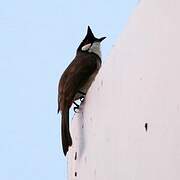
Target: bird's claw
{"x":76,"y":107}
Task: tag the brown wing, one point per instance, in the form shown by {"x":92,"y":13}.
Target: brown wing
{"x":75,"y":76}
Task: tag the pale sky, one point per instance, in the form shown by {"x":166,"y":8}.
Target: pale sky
{"x":38,"y":39}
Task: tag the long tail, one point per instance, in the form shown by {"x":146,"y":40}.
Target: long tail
{"x":65,"y":133}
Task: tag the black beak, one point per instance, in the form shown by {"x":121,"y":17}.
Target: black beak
{"x":101,"y":39}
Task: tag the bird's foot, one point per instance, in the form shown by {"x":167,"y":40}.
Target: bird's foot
{"x":76,"y":108}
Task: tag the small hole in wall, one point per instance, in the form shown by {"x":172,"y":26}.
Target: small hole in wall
{"x":146,"y":126}
{"x":95,"y":172}
{"x":101,"y":82}
{"x":91,"y":119}
{"x":75,"y":157}
{"x":85,"y":159}
{"x":75,"y":174}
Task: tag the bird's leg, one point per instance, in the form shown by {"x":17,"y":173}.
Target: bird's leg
{"x":80,"y":92}
{"x":76,"y":107}
{"x":83,"y":96}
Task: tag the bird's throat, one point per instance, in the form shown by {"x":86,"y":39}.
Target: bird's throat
{"x":95,"y":48}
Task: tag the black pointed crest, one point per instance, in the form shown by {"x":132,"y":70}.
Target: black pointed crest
{"x":90,"y":34}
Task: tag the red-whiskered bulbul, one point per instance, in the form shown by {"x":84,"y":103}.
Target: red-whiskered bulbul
{"x":76,"y":80}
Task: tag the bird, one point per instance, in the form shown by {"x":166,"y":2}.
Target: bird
{"x":76,"y":80}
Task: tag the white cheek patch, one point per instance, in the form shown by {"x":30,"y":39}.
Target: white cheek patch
{"x":86,"y":47}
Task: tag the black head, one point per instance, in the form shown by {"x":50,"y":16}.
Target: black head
{"x":89,"y":39}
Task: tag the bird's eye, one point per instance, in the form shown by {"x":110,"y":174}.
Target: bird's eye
{"x":86,"y":47}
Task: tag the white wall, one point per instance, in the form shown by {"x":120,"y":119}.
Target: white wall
{"x":140,"y":83}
